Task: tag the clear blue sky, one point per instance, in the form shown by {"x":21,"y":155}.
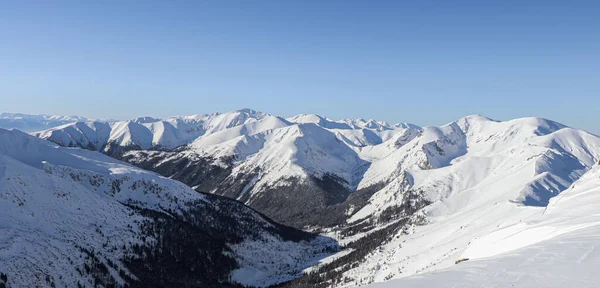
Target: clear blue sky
{"x":426,"y":62}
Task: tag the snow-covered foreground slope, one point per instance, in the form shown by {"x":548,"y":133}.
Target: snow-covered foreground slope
{"x":554,"y":248}
{"x":72,"y":216}
{"x":31,"y":123}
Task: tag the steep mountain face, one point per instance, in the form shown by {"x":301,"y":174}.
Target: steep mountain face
{"x":31,"y":123}
{"x":357,"y":132}
{"x":248,"y":156}
{"x":403,"y":200}
{"x":71,"y":217}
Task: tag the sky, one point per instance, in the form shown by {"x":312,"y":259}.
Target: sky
{"x":424,"y":62}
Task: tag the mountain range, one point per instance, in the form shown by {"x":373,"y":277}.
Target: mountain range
{"x":388,"y":201}
{"x":31,"y":123}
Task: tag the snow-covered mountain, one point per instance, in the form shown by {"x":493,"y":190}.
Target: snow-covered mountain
{"x":403,"y":200}
{"x":146,"y":132}
{"x":31,"y":123}
{"x":71,"y":217}
{"x":476,"y":176}
{"x":149,"y":133}
{"x":245,"y":154}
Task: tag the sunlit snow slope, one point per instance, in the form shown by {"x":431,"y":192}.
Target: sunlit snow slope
{"x":31,"y":123}
{"x":554,"y":248}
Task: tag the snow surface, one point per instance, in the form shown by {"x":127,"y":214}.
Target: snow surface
{"x":481,"y":175}
{"x":55,"y":201}
{"x":554,"y":248}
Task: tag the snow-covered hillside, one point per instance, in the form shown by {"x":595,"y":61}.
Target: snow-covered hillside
{"x":73,"y":217}
{"x":553,"y":248}
{"x":31,"y":123}
{"x":479,"y":175}
{"x":404,"y":200}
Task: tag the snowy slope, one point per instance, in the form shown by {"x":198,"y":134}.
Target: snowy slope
{"x":479,"y":175}
{"x":475,"y":150}
{"x":554,"y":248}
{"x":31,"y":123}
{"x":70,"y":216}
{"x":300,"y":147}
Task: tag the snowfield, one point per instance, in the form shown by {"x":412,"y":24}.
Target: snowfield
{"x":554,"y":248}
{"x":65,"y":210}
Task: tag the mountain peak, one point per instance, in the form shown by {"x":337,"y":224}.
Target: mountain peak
{"x":145,"y":119}
{"x":249,"y":111}
{"x":475,"y":118}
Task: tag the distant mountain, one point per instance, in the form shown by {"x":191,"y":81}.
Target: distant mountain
{"x":71,"y":217}
{"x":403,"y":199}
{"x":31,"y":123}
{"x":145,"y":132}
{"x":246,"y":155}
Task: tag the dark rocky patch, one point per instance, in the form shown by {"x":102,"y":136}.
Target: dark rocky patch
{"x":393,"y":219}
{"x":299,"y":203}
{"x":189,"y":250}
